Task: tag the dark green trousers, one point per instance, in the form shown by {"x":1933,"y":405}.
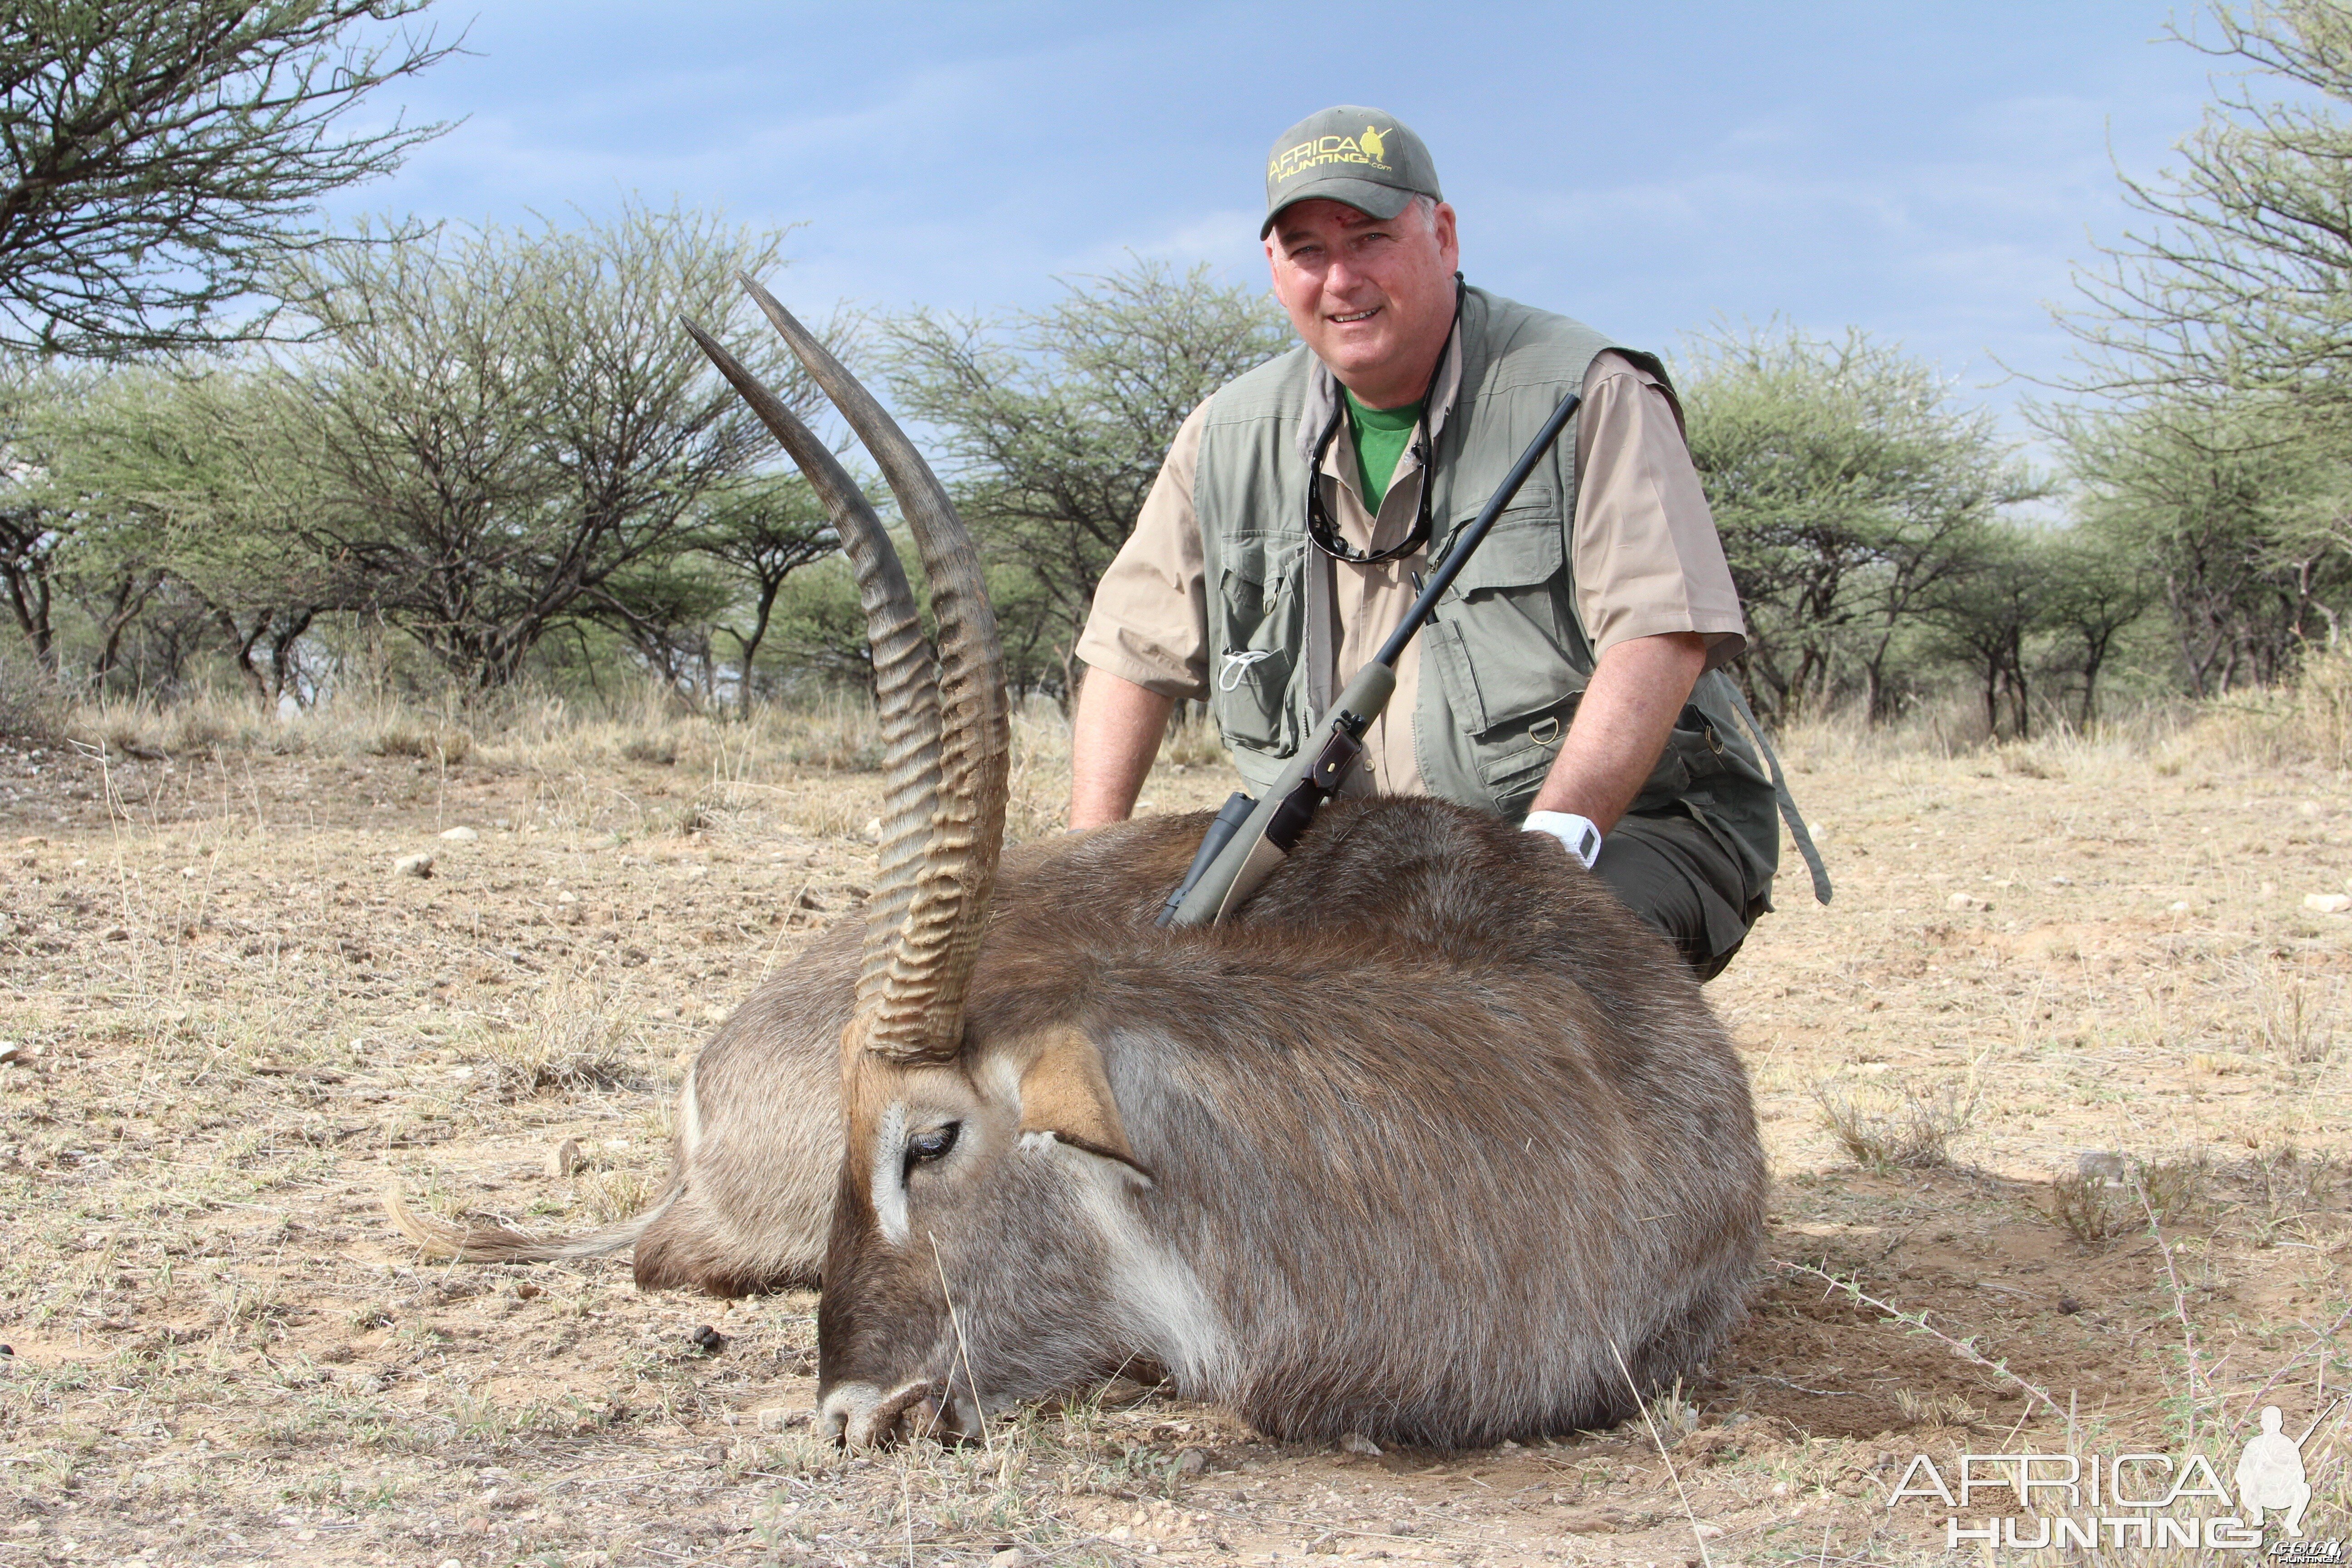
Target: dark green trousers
{"x":1675,"y":874}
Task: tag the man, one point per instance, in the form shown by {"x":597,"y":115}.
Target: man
{"x":1570,"y":674}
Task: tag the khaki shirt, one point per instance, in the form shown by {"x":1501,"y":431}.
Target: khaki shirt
{"x":1645,"y":556}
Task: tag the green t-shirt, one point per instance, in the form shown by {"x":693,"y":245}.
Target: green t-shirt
{"x":1381,"y":436}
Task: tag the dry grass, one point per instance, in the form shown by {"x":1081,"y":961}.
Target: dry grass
{"x":2096,"y":1209}
{"x":575,"y":1039}
{"x":1897,"y":1128}
{"x":242,"y":1024}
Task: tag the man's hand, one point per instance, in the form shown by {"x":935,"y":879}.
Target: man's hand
{"x":1114,"y":736}
{"x":1637,"y":690}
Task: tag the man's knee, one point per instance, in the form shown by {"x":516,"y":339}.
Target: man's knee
{"x":1673,"y":873}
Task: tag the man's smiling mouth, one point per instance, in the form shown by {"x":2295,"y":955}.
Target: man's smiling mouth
{"x":1360,"y":316}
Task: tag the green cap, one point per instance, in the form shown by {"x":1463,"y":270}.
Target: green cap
{"x":1364,"y":157}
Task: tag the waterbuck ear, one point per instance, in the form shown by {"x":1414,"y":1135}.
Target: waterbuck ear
{"x":1065,"y":1093}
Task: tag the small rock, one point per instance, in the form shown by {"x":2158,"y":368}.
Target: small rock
{"x":2180,"y":906}
{"x":459,"y":836}
{"x":2327,"y":904}
{"x":526,"y":1291}
{"x":706,"y":1339}
{"x":564,"y":1158}
{"x":1593,"y":1522}
{"x":778,"y":1417}
{"x":1357,"y":1443}
{"x":1191,"y":1462}
{"x":1965,"y":901}
{"x":2102,"y":1163}
{"x":873,"y":828}
{"x":1119,"y":1532}
{"x":2270,"y":889}
{"x":7,"y":1349}
{"x":1011,"y":1557}
{"x":1706,"y":1531}
{"x":1507,"y":1447}
{"x":419,"y":865}
{"x":2061,"y":881}
{"x":13,"y":1054}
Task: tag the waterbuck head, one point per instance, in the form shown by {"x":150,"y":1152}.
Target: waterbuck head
{"x":958,"y":1137}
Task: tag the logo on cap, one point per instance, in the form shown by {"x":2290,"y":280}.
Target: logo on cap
{"x":1370,"y":148}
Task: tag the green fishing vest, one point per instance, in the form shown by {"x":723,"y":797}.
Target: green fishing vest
{"x":1504,"y":658}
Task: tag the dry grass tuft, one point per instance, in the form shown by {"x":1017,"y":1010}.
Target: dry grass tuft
{"x":608,"y":1197}
{"x":2095,"y":1209}
{"x":571,"y":1043}
{"x":1904,"y":1128}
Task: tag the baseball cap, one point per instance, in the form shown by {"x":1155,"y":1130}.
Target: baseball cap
{"x":1364,"y":157}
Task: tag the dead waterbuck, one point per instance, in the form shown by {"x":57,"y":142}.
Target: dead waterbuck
{"x":1435,"y":1142}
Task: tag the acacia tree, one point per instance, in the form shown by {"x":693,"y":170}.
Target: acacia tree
{"x":508,"y":423}
{"x":1848,"y":488}
{"x":762,"y":529}
{"x":35,"y":527}
{"x":2240,"y":279}
{"x":1985,"y":611}
{"x":158,"y":157}
{"x":2238,"y":516}
{"x":2099,"y":585}
{"x":207,"y":464}
{"x":1055,"y":422}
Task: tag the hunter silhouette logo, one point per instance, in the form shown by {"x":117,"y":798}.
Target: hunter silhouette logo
{"x":1370,"y":147}
{"x":2269,"y":1472}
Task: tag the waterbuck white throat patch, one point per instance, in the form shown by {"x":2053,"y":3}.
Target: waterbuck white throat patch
{"x":1157,"y":1291}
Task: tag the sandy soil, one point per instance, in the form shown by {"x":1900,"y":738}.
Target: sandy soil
{"x":233,"y":1022}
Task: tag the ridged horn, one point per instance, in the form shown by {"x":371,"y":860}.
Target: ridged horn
{"x":906,"y":674}
{"x":921,"y":1015}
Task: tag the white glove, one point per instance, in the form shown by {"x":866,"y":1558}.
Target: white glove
{"x":1583,"y":839}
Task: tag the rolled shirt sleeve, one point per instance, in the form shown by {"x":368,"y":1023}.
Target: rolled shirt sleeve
{"x":1149,"y":622}
{"x":1648,"y":560}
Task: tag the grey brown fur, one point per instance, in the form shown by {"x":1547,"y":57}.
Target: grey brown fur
{"x":1440,"y":1129}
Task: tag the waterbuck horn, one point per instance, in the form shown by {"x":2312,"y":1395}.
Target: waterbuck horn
{"x":906,"y":675}
{"x":920,"y":1015}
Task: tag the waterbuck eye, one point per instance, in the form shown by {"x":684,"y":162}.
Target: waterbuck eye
{"x":924,"y":1147}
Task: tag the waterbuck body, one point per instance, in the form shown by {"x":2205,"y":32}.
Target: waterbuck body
{"x":1438,"y":1144}
{"x":1432,"y":1140}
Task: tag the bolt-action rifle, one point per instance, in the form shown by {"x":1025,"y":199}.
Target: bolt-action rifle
{"x":1250,"y":837}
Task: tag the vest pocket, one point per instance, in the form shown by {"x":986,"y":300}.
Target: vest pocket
{"x":1258,"y":639}
{"x":1497,"y":643}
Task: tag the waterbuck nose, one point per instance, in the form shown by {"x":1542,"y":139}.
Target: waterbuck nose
{"x":860,"y":1417}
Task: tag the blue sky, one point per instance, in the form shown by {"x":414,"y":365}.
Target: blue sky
{"x":1927,"y":170}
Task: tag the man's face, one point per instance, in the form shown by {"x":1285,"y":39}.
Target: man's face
{"x":1373,"y":297}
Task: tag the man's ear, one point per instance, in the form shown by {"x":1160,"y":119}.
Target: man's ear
{"x":1064,"y":1092}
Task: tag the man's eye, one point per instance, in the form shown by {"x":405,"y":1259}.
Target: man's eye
{"x":924,"y":1147}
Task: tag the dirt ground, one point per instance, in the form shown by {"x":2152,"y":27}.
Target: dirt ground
{"x":2076,"y":1012}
